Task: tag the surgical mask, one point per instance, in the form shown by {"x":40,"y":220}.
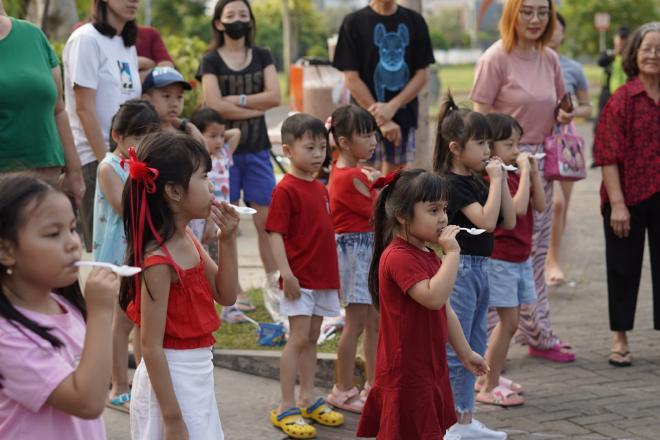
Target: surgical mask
{"x":237,"y":29}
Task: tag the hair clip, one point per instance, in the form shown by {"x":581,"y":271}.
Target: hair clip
{"x":390,"y":179}
{"x":140,"y":172}
{"x":328,"y":123}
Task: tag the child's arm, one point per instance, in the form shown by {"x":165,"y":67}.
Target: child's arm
{"x":434,"y":293}
{"x":507,"y":209}
{"x":539,"y":203}
{"x":486,"y":216}
{"x":291,"y":284}
{"x":521,"y":199}
{"x":233,"y":138}
{"x":83,"y":393}
{"x":155,"y":294}
{"x":112,"y":187}
{"x":223,"y":277}
{"x":470,"y":359}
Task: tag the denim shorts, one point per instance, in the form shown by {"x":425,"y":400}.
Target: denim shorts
{"x":252,"y":173}
{"x":401,"y":154}
{"x":510,"y":284}
{"x":354,"y":251}
{"x":312,"y":303}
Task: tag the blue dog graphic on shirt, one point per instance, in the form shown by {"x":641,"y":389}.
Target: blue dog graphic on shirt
{"x":392,"y":71}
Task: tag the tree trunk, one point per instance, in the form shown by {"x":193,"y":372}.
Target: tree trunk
{"x":423,"y":155}
{"x":61,"y":16}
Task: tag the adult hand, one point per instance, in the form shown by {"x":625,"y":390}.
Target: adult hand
{"x":382,"y":111}
{"x":620,"y":220}
{"x":73,"y":184}
{"x":392,"y":132}
{"x":565,"y":117}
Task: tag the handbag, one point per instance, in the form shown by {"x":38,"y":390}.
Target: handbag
{"x":564,"y":154}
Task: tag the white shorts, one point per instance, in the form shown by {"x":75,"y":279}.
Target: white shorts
{"x":312,"y":302}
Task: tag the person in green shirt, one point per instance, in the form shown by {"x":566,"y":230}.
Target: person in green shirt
{"x":35,"y":135}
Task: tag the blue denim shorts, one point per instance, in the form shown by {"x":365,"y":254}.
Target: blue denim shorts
{"x":354,"y":251}
{"x":401,"y":154}
{"x":252,"y":173}
{"x":510,"y":284}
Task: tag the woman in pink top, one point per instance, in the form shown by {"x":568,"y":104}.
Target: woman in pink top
{"x":55,"y":346}
{"x":520,"y":77}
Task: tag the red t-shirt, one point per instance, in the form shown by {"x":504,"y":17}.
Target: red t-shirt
{"x":191,"y":314}
{"x":150,"y":45}
{"x":515,"y":245}
{"x":300,"y":211}
{"x":351,"y":210}
{"x":628,"y":135}
{"x":411,"y":396}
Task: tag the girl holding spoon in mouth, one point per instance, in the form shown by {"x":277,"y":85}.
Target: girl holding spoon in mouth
{"x":462,"y":154}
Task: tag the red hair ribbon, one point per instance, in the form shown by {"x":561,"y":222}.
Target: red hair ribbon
{"x":140,"y":172}
{"x":382,"y":182}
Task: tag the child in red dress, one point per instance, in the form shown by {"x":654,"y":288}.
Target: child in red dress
{"x":411,"y":397}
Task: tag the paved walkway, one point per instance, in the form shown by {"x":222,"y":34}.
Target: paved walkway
{"x":587,"y":399}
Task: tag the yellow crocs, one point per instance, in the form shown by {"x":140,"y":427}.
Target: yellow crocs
{"x":321,"y":413}
{"x":293,"y":424}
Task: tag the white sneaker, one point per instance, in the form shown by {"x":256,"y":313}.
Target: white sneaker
{"x":475,"y":431}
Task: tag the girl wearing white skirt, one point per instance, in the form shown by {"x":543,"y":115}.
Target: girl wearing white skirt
{"x":172,"y":300}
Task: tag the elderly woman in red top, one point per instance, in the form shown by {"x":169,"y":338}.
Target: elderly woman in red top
{"x":627,"y":147}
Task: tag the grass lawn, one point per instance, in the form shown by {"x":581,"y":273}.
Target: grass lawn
{"x":244,"y":337}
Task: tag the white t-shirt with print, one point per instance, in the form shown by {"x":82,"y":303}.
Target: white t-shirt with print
{"x":104,"y":64}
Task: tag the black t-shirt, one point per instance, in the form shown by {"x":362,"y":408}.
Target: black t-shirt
{"x":463,"y":191}
{"x":386,"y":50}
{"x":248,"y":81}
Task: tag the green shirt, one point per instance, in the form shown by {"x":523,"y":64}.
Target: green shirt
{"x":28,"y":133}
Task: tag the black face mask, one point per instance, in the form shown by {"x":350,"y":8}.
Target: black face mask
{"x":237,"y":29}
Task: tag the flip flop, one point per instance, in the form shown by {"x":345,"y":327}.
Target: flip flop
{"x":120,"y":403}
{"x":554,"y":354}
{"x":505,"y":383}
{"x":500,"y":396}
{"x":350,"y":400}
{"x":622,"y":355}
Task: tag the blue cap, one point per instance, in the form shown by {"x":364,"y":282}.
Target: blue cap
{"x":164,"y":76}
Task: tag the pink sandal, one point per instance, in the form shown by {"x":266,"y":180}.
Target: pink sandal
{"x":500,"y":396}
{"x":504,"y":383}
{"x":347,"y":400}
{"x":554,"y":354}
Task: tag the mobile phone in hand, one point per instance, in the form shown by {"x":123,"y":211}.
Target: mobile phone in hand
{"x":565,"y":103}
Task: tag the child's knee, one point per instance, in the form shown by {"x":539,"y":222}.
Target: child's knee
{"x":509,"y":325}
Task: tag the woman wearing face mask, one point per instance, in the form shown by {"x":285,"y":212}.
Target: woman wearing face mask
{"x":240,"y":82}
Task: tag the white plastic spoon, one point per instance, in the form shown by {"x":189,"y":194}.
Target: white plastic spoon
{"x":122,"y":271}
{"x":538,"y":156}
{"x":244,"y":210}
{"x":473,"y":231}
{"x":509,"y":167}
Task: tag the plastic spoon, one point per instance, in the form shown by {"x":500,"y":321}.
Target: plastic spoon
{"x":473,"y":231}
{"x":244,"y":210}
{"x":538,"y":156}
{"x":122,"y":271}
{"x":509,"y":167}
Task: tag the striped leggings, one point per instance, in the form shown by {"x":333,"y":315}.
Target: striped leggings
{"x":535,"y":327}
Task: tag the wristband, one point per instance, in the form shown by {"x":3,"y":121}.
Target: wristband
{"x":242,"y":100}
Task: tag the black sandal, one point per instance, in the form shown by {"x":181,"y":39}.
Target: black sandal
{"x":619,"y":363}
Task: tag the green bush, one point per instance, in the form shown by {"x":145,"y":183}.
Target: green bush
{"x":187,"y":54}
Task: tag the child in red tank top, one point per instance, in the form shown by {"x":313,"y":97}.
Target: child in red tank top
{"x":172,"y":300}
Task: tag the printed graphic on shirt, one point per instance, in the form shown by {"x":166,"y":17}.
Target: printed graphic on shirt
{"x":125,"y":75}
{"x":392,"y":72}
{"x":244,"y":84}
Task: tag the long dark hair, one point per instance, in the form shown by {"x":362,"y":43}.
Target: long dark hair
{"x":16,"y":193}
{"x":135,"y":117}
{"x":502,"y":126}
{"x":456,"y":125}
{"x":177,"y":157}
{"x":218,"y":38}
{"x":99,"y":19}
{"x":397,"y":200}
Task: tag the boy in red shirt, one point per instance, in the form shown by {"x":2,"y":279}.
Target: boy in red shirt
{"x":303,"y":242}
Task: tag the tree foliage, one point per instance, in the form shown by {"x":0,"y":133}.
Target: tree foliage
{"x":582,"y":36}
